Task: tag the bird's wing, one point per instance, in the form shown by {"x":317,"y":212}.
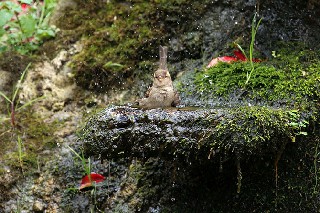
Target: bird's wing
{"x":176,"y":100}
{"x":147,"y":94}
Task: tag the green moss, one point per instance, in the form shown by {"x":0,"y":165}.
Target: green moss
{"x":14,"y":62}
{"x":292,"y":76}
{"x":35,"y":134}
{"x":122,"y":33}
{"x":254,"y":130}
{"x":120,"y":40}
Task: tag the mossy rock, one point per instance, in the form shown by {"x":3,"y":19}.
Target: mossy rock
{"x":122,"y":33}
{"x":241,"y":149}
{"x":291,"y":79}
{"x":121,"y":132}
{"x":213,"y":146}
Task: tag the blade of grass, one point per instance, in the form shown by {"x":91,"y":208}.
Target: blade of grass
{"x":74,"y":152}
{"x":83,"y":162}
{"x":254,"y":29}
{"x":242,"y":50}
{"x":43,"y":8}
{"x":30,"y":102}
{"x":20,"y":152}
{"x":5,"y":97}
{"x":20,"y":81}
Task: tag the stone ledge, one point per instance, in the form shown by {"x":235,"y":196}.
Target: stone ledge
{"x":187,"y":133}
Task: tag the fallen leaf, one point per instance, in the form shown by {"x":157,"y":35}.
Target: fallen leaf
{"x":87,"y":182}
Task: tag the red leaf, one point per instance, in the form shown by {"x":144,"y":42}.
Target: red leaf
{"x":227,"y":59}
{"x":85,"y":182}
{"x":239,"y":55}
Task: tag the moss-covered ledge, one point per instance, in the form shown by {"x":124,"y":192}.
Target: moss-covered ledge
{"x":191,"y":134}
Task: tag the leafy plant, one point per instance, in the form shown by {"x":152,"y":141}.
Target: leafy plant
{"x":24,"y":26}
{"x":86,"y":164}
{"x":254,"y":29}
{"x":292,"y":77}
{"x":297,"y":123}
{"x":13,"y":107}
{"x":89,"y":180}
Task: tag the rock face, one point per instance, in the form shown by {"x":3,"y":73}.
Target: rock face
{"x":186,"y":134}
{"x":191,"y":30}
{"x":194,"y":155}
{"x":119,"y":132}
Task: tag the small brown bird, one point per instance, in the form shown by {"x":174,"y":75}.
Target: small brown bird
{"x":162,"y":93}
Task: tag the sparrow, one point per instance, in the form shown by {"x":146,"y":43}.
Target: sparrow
{"x":161,"y":93}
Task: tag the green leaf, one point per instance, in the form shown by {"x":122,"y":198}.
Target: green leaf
{"x":5,"y":97}
{"x":242,"y":50}
{"x":2,"y":32}
{"x":45,"y":34}
{"x":303,"y":133}
{"x":9,"y":5}
{"x":28,"y":25}
{"x":294,"y":124}
{"x":305,"y":122}
{"x":21,"y":79}
{"x":3,"y":48}
{"x":13,"y":26}
{"x":50,"y":4}
{"x":5,"y":16}
{"x":45,"y":22}
{"x":30,"y":102}
{"x":111,"y":64}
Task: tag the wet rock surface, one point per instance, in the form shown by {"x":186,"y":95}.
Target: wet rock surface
{"x":186,"y":158}
{"x":119,"y":132}
{"x":184,"y":133}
